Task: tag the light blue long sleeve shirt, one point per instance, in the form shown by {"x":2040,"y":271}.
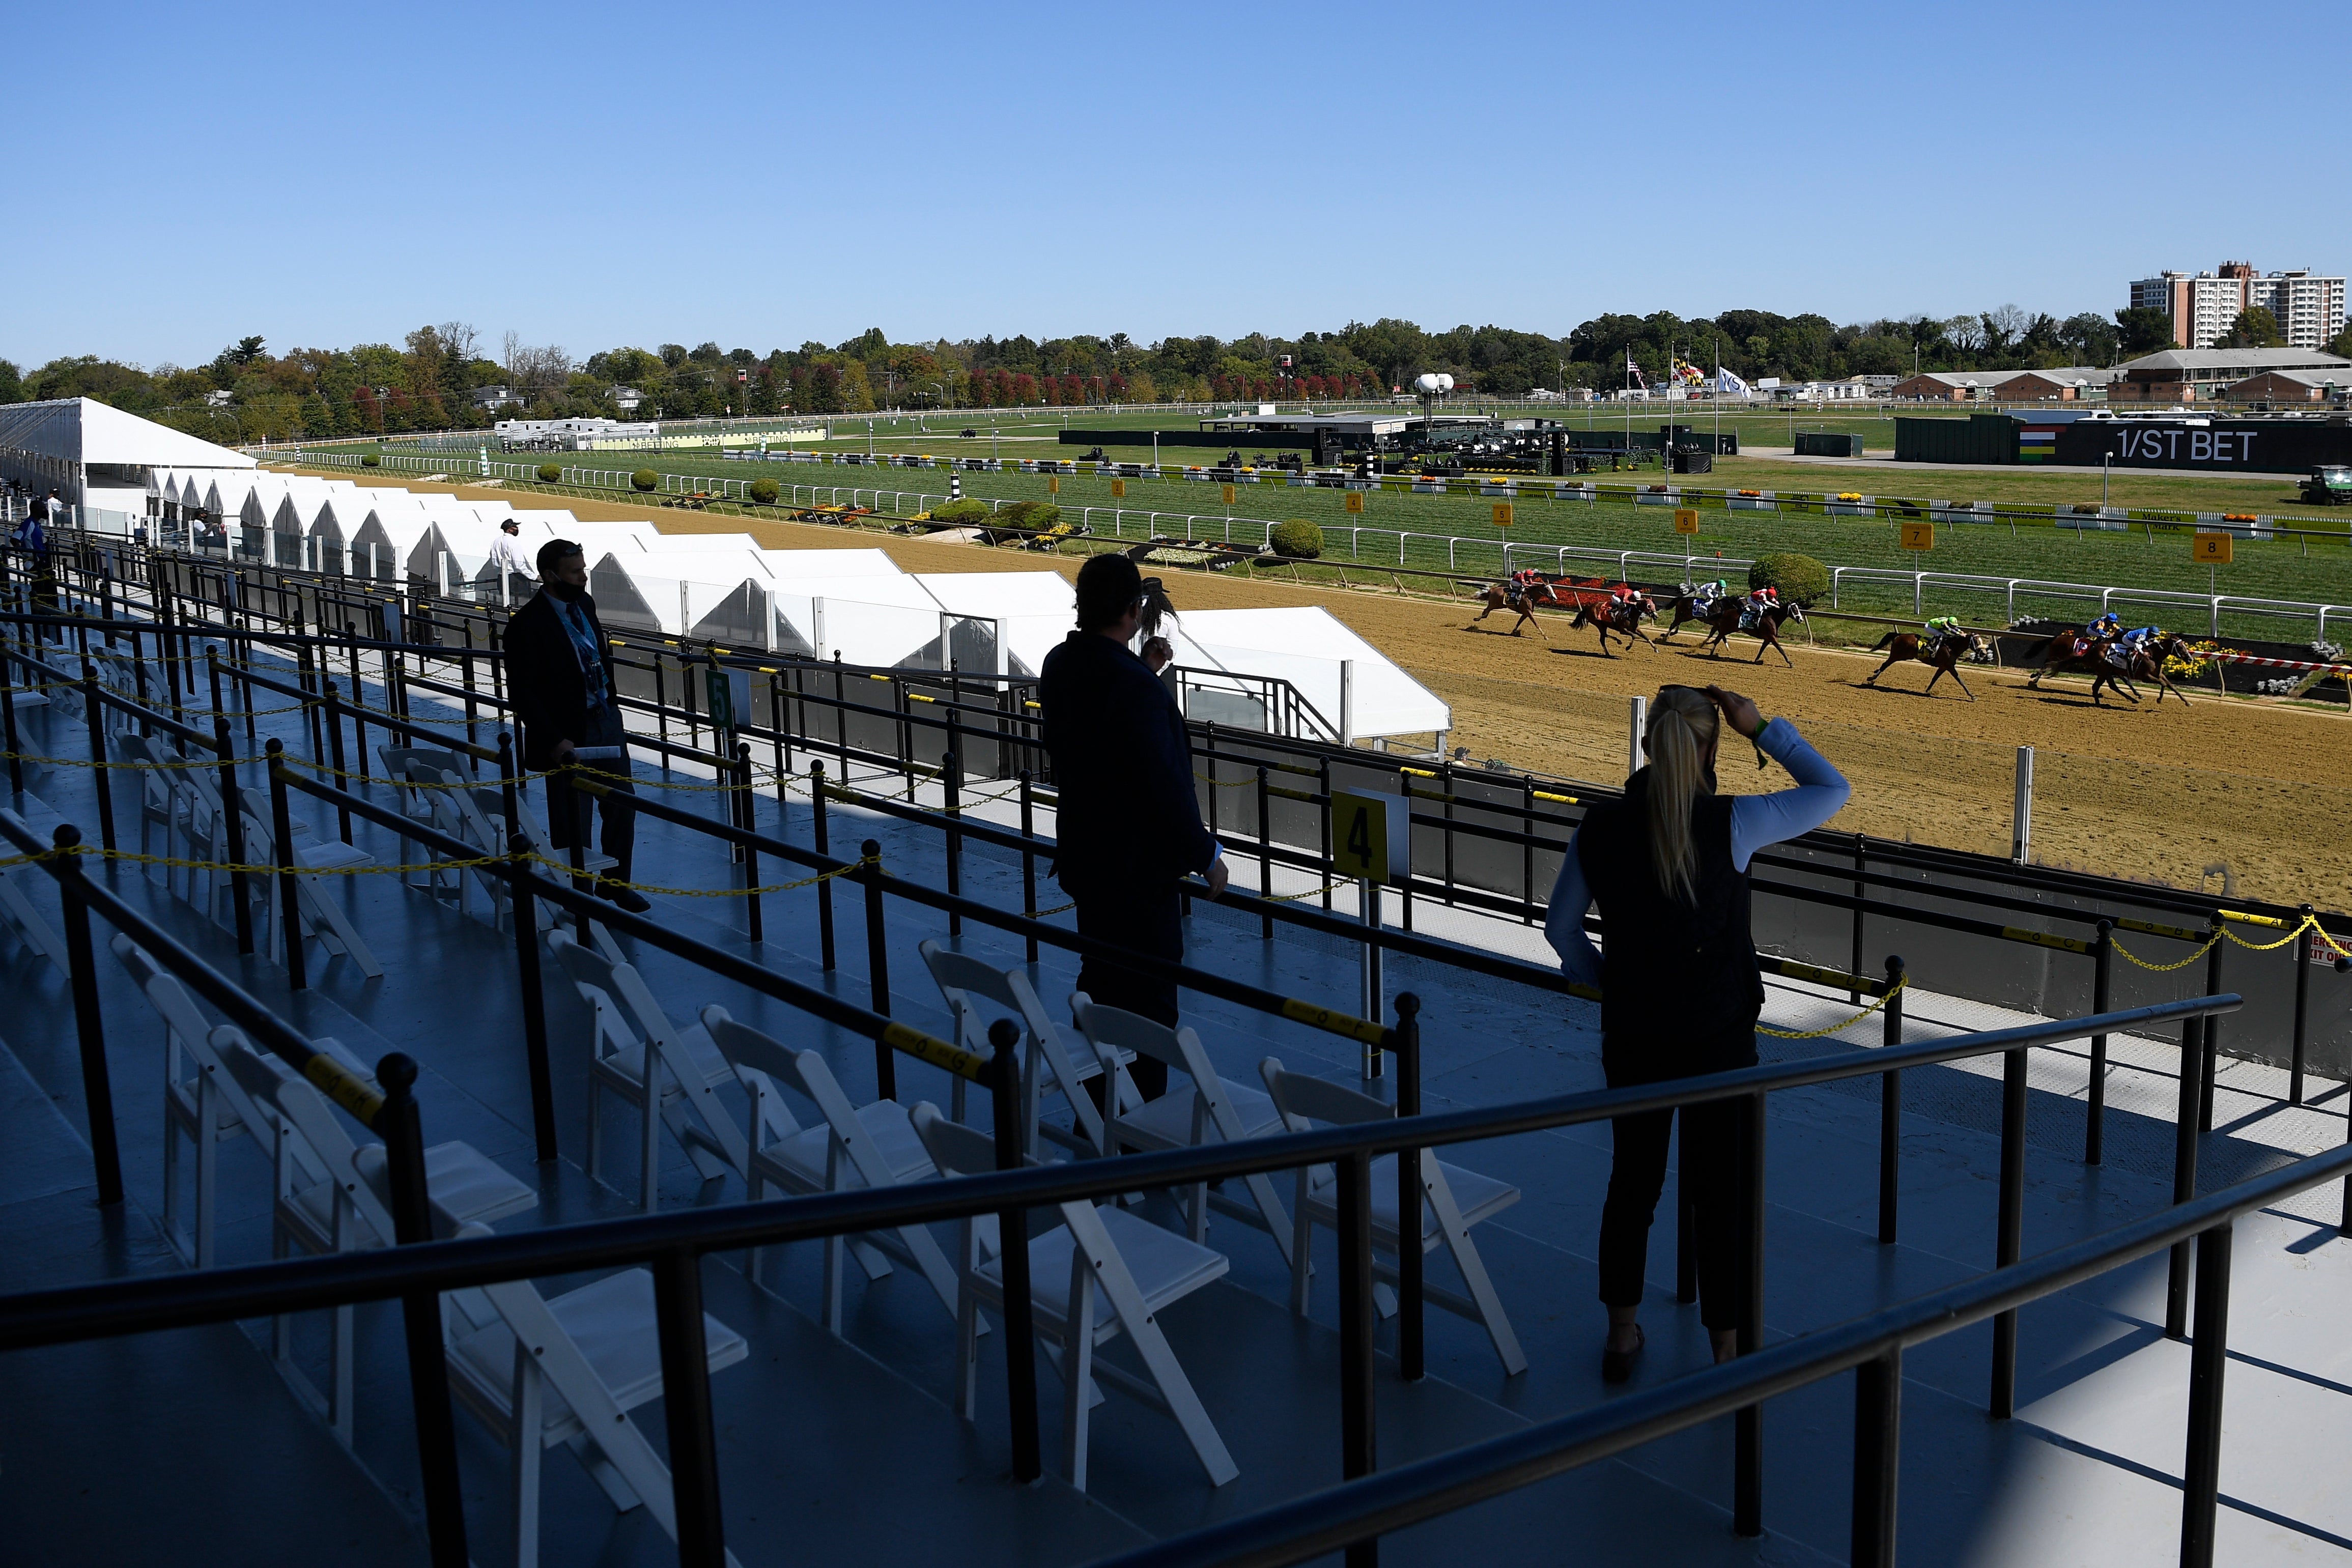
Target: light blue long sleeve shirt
{"x":1757,"y":822}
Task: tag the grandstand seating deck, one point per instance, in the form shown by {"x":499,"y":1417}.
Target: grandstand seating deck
{"x":841,"y":1452}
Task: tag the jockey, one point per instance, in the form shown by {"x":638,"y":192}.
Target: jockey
{"x":1708,"y":596}
{"x":2139,"y":638}
{"x":1942,"y":627}
{"x":1752,"y":610}
{"x":2108,"y":625}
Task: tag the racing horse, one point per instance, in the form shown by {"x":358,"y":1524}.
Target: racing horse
{"x":1621,"y":616}
{"x":1541,"y":593}
{"x":1685,"y":611}
{"x":2108,"y":663}
{"x":1943,"y":656}
{"x":1727,"y":617}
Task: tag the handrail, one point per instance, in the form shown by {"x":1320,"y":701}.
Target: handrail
{"x":73,"y":1313}
{"x":266,"y":1027}
{"x":1325,"y":1521}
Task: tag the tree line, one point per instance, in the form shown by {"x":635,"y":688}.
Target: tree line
{"x":438,"y":377}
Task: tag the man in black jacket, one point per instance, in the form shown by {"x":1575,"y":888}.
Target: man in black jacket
{"x":560,"y":677}
{"x":1129,"y":822}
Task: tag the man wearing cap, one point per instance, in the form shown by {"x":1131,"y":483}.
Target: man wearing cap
{"x":1128,"y":828}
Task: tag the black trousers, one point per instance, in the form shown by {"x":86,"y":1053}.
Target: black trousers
{"x":1148,"y":921}
{"x":1712,"y":1167}
{"x":1714,"y":1171}
{"x":620,"y":818}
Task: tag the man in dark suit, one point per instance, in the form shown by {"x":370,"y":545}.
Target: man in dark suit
{"x":560,"y":677}
{"x":1129,"y":822}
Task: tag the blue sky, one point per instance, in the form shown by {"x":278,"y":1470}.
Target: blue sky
{"x":592,"y":174}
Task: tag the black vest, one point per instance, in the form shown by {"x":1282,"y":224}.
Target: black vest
{"x":1680,"y":986}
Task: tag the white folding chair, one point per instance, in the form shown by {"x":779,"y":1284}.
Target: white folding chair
{"x":1453,"y":1200}
{"x":17,"y":912}
{"x":347,"y":1209}
{"x":866,"y":1146}
{"x":543,"y":842}
{"x":965,"y":983}
{"x":542,"y":1371}
{"x":1101,"y":1273}
{"x":634,"y":1045}
{"x":1199,"y":1108}
{"x":160,"y":805}
{"x":203,"y":1101}
{"x":320,"y":912}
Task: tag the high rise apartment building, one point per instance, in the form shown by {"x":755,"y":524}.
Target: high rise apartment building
{"x":2202,"y":306}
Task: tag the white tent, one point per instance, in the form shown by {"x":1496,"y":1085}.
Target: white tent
{"x":97,"y":456}
{"x":1025,"y":614}
{"x":1359,"y":691}
{"x":707,"y":595}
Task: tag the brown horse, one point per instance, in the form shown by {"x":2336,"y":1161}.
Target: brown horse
{"x":1684,"y":609}
{"x":1726,"y":620}
{"x":1538,"y":594}
{"x":1944,"y":657}
{"x":2104,"y":660}
{"x":1622,"y":616}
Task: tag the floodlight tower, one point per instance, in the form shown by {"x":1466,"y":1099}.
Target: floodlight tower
{"x":1433,"y":389}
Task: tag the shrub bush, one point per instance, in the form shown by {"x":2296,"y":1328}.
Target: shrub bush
{"x":371,"y":460}
{"x":764,"y":491}
{"x":958,"y":514}
{"x":548,"y":473}
{"x":1801,"y":579}
{"x":645,"y":478}
{"x":1296,"y":538}
{"x":1036,"y":515}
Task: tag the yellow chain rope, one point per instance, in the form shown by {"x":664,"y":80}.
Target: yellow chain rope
{"x":2165,"y":968}
{"x":1844,"y":1023}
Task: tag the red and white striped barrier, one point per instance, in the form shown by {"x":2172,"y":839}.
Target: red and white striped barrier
{"x":2280,"y":664}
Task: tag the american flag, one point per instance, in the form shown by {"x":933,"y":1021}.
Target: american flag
{"x":1633,"y":371}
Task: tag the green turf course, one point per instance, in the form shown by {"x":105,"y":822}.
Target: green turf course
{"x":2313,"y":570}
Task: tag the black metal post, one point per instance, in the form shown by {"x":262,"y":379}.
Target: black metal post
{"x":2210,"y":1066}
{"x":1266,"y":852}
{"x":509,"y":787}
{"x":525,"y":912}
{"x":1860,"y":846}
{"x":1323,"y":810}
{"x":1013,"y":1232}
{"x":951,"y":799}
{"x":359,"y":701}
{"x":2208,"y":1358}
{"x":333,"y":702}
{"x":8,"y":722}
{"x":232,"y":819}
{"x":89,"y":1028}
{"x":685,"y":1401}
{"x":1748,"y":1424}
{"x":289,"y":907}
{"x":1359,"y":1452}
{"x":1877,"y":1458}
{"x":428,"y":1371}
{"x":1028,"y":860}
{"x":1406,"y":1042}
{"x":878,"y":964}
{"x":2184,"y":1178}
{"x":824,"y":841}
{"x":2302,"y":944}
{"x":2095,"y":1131}
{"x":743,"y":812}
{"x":94,"y":716}
{"x":2010,"y":1237}
{"x":1528,"y":851}
{"x":305,"y":677}
{"x":1890,"y":1111}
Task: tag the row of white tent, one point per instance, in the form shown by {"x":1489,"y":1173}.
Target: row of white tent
{"x":857,"y":605}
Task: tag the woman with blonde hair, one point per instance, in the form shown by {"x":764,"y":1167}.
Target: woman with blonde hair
{"x":1667,"y":864}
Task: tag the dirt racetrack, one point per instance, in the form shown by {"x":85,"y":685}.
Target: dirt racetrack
{"x":2249,"y":793}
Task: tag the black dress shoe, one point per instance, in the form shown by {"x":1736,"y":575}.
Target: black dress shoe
{"x":627,"y":898}
{"x":1617,"y":1366}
